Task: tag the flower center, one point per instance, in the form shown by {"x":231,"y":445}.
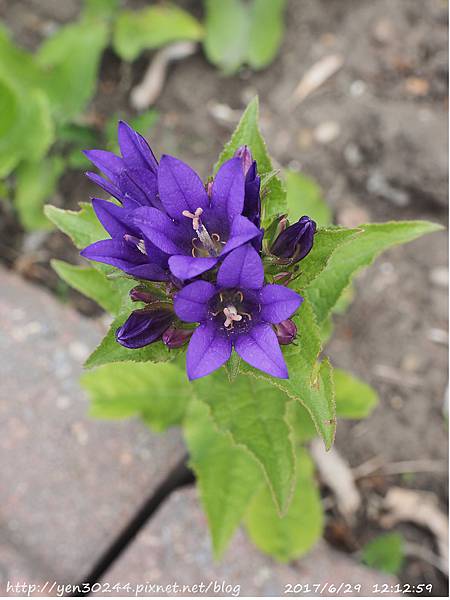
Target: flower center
{"x":134,"y":241}
{"x":210,"y":244}
{"x":233,"y":311}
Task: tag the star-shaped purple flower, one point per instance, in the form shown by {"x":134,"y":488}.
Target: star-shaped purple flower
{"x":197,"y":230}
{"x":132,"y":179}
{"x":238,"y":312}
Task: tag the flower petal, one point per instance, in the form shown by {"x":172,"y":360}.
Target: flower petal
{"x":242,"y":268}
{"x":208,"y":350}
{"x":110,"y":164}
{"x":278,"y":303}
{"x":242,"y":231}
{"x":161,"y":230}
{"x":149,"y":271}
{"x":114,"y":219}
{"x":141,"y":185}
{"x":260,"y":349}
{"x":109,"y":187}
{"x":134,"y":148}
{"x":191,"y":302}
{"x":227,"y":196}
{"x":187,"y":267}
{"x":180,"y":188}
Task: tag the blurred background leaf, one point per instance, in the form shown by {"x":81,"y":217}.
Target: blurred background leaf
{"x":385,"y":553}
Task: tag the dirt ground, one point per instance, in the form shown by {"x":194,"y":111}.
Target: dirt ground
{"x":387,"y":159}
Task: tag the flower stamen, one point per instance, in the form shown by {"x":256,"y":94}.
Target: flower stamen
{"x":139,"y":244}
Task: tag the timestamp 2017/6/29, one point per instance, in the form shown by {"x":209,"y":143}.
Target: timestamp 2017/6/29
{"x":341,"y":589}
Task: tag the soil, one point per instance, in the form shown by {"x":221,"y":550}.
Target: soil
{"x":387,"y":159}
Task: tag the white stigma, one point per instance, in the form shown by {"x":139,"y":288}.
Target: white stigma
{"x":201,"y":231}
{"x":231,"y":315}
{"x":194,"y":216}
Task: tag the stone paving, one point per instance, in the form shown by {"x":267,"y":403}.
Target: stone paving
{"x":68,"y":483}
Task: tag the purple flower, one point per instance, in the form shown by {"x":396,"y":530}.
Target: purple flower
{"x":131,"y":178}
{"x":252,"y":200}
{"x":133,"y":181}
{"x":196,"y":230}
{"x":144,"y":326}
{"x":236,"y":312}
{"x":296,"y":241}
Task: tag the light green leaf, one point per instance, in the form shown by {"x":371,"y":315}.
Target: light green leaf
{"x":266,"y":31}
{"x":151,"y":28}
{"x":300,"y":422}
{"x":227,"y":476}
{"x":71,"y":59}
{"x":326,"y":242}
{"x":83,"y":226}
{"x":293,"y":535}
{"x":142,"y":123}
{"x":110,"y":351}
{"x":326,"y":289}
{"x":247,"y":133}
{"x":35,"y":184}
{"x":310,"y":381}
{"x":158,"y":394}
{"x":227,"y":32}
{"x":100,"y":8}
{"x":304,"y":197}
{"x":110,"y":294}
{"x":354,"y":398}
{"x":385,"y":553}
{"x":253,"y":413}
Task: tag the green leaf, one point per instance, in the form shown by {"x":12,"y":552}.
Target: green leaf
{"x":304,"y":197}
{"x":266,"y":31}
{"x":110,"y":294}
{"x":354,"y":398}
{"x":83,"y":226}
{"x":142,"y":123}
{"x":227,"y":29}
{"x":227,"y":476}
{"x":71,"y":58}
{"x":300,"y":422}
{"x":247,"y":133}
{"x":105,"y":9}
{"x":151,"y":28}
{"x":158,"y":394}
{"x":385,"y":553}
{"x":35,"y":184}
{"x":310,"y":381}
{"x":293,"y":535}
{"x":360,"y":252}
{"x":326,"y":242}
{"x":110,"y":351}
{"x":253,"y":412}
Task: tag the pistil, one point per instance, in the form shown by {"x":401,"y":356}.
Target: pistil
{"x":231,"y":315}
{"x":201,"y":231}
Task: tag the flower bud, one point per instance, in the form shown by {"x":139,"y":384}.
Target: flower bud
{"x":175,"y":338}
{"x":140,"y":294}
{"x":143,"y":327}
{"x":286,"y":331}
{"x":296,"y":241}
{"x":246,"y":157}
{"x":252,"y":198}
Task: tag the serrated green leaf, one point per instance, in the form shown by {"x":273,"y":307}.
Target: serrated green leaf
{"x":354,"y":398}
{"x":110,"y":294}
{"x":71,"y":58}
{"x":247,"y":133}
{"x":293,"y":535}
{"x":151,"y":28}
{"x":266,"y":31}
{"x":304,"y":197}
{"x":227,"y":28}
{"x":326,"y":242}
{"x":227,"y":476}
{"x":110,"y":351}
{"x":158,"y":394}
{"x":253,"y":413}
{"x":300,"y":422}
{"x":326,"y":289}
{"x":83,"y":226}
{"x":385,"y":553}
{"x":35,"y":184}
{"x":310,"y":381}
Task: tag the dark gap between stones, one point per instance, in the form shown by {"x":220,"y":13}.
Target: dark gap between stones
{"x":179,"y":477}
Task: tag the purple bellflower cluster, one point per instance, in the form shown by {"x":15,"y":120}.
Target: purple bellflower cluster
{"x":203,"y":245}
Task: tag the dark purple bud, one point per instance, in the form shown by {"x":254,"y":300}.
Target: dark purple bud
{"x":175,"y":338}
{"x":286,"y":332}
{"x":209,"y":187}
{"x":295,"y":242}
{"x":246,"y":156}
{"x":140,"y":294}
{"x":144,"y":327}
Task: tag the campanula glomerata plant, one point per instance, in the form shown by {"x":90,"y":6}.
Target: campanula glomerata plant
{"x":222,"y":300}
